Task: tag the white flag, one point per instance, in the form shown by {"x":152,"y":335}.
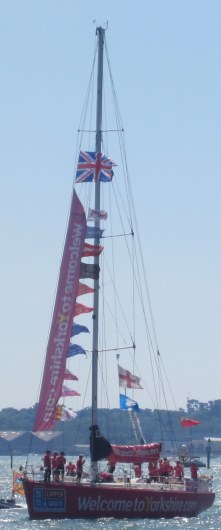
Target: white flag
{"x":96,"y":214}
{"x":128,"y":380}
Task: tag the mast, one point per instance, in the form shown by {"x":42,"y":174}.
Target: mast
{"x":100,"y":33}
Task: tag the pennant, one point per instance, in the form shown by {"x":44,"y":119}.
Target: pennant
{"x":68,"y":376}
{"x":93,"y":215}
{"x":127,"y":403}
{"x":75,"y":349}
{"x":128,"y":380}
{"x":78,"y":328}
{"x":93,"y":232}
{"x":68,"y":392}
{"x":91,"y":250}
{"x":84,"y":289}
{"x":64,"y":414}
{"x":67,"y":414}
{"x":80,"y":308}
{"x":94,"y":167}
{"x":186,"y":422}
{"x":89,"y":270}
{"x":17,"y":486}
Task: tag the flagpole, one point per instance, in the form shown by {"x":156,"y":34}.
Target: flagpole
{"x":100,"y":33}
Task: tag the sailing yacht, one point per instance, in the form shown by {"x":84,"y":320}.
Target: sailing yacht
{"x":101,"y":188}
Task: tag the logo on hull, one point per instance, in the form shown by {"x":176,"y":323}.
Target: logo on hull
{"x":49,"y":500}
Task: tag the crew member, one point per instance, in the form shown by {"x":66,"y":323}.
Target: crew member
{"x":193,"y":471}
{"x":71,"y":470}
{"x":79,"y":467}
{"x":47,"y":466}
{"x":165,"y":468}
{"x":153,"y":472}
{"x":61,"y":461}
{"x":137,"y":470}
{"x":111,"y":465}
{"x":55,"y":474}
{"x":178,"y":470}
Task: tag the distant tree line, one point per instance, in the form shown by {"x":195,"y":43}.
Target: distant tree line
{"x":120,"y":426}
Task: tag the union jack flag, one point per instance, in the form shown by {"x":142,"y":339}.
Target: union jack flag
{"x":94,"y":167}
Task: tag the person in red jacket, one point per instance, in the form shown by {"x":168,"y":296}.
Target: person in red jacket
{"x":153,"y":472}
{"x":47,"y":466}
{"x":71,"y":470}
{"x":79,"y":467}
{"x":61,"y":461}
{"x":54,"y":466}
{"x":193,"y":471}
{"x":165,"y":468}
{"x":137,"y":470}
{"x":178,"y":471}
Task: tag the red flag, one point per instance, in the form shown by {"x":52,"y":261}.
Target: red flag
{"x":91,"y":250}
{"x":84,"y":289}
{"x":68,"y":392}
{"x":186,"y":422}
{"x":68,"y":376}
{"x":80,"y":308}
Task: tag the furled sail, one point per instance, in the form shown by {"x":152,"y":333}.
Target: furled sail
{"x":62,"y":320}
{"x":100,"y":447}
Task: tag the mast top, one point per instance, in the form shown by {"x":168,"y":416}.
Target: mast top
{"x":100,"y":29}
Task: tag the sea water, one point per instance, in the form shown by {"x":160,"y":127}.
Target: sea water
{"x":18,"y":518}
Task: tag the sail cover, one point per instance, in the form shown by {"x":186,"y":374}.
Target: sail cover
{"x":136,"y":453}
{"x":100,"y":447}
{"x":62,"y":319}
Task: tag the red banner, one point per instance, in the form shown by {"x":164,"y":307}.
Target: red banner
{"x":134,"y":454}
{"x":62,"y":321}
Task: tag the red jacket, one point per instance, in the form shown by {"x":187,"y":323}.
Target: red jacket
{"x":79,"y":465}
{"x":61,"y":461}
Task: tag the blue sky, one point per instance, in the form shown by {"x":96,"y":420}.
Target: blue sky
{"x":165,"y":57}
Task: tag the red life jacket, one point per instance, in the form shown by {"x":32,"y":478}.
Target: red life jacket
{"x":61,"y":460}
{"x":47,"y":460}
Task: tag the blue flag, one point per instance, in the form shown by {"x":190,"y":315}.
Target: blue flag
{"x":127,"y":403}
{"x":75,"y":349}
{"x":93,"y":232}
{"x":78,"y":328}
